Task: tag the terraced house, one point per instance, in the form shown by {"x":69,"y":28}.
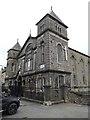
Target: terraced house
{"x":45,"y":68}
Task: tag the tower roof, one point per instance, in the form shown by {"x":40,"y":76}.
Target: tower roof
{"x":16,"y":46}
{"x":52,"y":15}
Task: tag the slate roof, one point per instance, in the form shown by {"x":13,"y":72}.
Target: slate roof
{"x":16,"y":46}
{"x":54,"y":15}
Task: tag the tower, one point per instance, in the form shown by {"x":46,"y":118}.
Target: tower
{"x":52,"y":45}
{"x":12,"y":60}
{"x":52,"y":35}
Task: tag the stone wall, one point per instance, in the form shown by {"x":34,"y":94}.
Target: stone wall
{"x":78,"y":98}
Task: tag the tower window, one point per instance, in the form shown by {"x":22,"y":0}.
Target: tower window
{"x":13,"y":67}
{"x":42,"y":51}
{"x":59,"y":53}
{"x":56,"y":27}
{"x":59,"y":29}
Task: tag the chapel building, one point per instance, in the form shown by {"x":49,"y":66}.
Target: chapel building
{"x":45,"y":67}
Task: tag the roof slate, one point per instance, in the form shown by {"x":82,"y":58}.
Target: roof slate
{"x":16,"y":46}
{"x":55,"y":16}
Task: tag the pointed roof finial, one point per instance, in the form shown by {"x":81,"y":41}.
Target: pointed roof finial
{"x":30,"y":32}
{"x":51,"y":8}
{"x":17,"y":40}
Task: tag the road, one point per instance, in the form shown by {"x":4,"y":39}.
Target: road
{"x":63,"y":110}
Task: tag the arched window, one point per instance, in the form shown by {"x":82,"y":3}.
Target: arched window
{"x":82,"y":65}
{"x":28,"y":58}
{"x":42,"y":51}
{"x":73,"y":63}
{"x":84,"y":80}
{"x":82,"y":70}
{"x":34,"y":59}
{"x":59,"y":53}
{"x":13,"y":67}
{"x":73,"y":68}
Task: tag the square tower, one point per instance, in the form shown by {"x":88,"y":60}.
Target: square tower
{"x":53,"y":42}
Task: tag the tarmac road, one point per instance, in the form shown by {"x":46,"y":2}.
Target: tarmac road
{"x":63,"y":110}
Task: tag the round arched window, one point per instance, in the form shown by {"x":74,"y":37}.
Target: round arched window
{"x":59,"y":53}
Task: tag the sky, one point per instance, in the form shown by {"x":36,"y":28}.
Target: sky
{"x":17,"y":17}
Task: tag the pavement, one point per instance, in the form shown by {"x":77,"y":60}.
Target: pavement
{"x":64,"y":110}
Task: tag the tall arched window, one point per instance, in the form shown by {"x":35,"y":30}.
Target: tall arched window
{"x":13,"y":67}
{"x":28,"y":58}
{"x":42,"y":51}
{"x":88,"y":66}
{"x":59,"y":53}
{"x":82,"y":66}
{"x":73,"y":63}
{"x":73,"y":67}
{"x":82,"y":70}
{"x":34,"y":59}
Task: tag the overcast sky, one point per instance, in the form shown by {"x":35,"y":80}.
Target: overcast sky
{"x":17,"y":17}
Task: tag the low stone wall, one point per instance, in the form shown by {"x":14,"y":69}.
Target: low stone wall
{"x":78,"y":98}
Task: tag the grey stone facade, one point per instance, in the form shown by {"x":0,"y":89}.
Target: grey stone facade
{"x":46,"y":65}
